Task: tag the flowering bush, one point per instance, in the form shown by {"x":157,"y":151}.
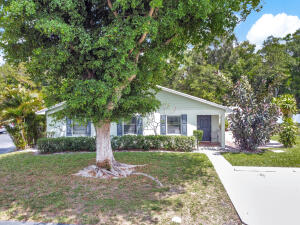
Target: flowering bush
{"x":254,"y":119}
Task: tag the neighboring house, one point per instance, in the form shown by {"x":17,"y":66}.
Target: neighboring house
{"x":179,"y":114}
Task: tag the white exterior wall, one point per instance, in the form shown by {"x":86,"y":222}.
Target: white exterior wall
{"x":55,"y":128}
{"x":58,"y":128}
{"x":171,"y":104}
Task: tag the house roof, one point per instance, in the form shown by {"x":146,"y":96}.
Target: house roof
{"x":43,"y":111}
{"x":193,"y":97}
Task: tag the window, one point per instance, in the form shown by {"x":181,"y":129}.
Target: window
{"x":130,"y":127}
{"x":173,"y":124}
{"x":79,"y":129}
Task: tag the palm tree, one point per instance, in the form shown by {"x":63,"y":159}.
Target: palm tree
{"x":17,"y":110}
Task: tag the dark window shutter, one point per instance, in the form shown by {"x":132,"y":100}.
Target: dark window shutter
{"x":139,"y":125}
{"x":69,"y":127}
{"x":184,"y":124}
{"x":120,"y":128}
{"x":163,"y":130}
{"x":88,"y":129}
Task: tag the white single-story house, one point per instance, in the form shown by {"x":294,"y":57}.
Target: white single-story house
{"x":179,"y":114}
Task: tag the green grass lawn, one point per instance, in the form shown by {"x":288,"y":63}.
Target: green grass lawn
{"x":289,"y":158}
{"x":41,"y":188}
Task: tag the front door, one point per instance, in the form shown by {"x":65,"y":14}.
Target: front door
{"x":204,"y":123}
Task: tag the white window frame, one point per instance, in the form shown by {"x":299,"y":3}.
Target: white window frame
{"x":167,"y":128}
{"x":124,"y":124}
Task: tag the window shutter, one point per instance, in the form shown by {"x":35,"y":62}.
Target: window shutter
{"x":163,"y":130}
{"x":139,"y":125}
{"x":120,"y":128}
{"x":69,"y":127}
{"x":88,"y":129}
{"x":184,"y":124}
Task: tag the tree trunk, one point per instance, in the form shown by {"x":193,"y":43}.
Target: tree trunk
{"x":104,"y":157}
{"x":106,"y":165}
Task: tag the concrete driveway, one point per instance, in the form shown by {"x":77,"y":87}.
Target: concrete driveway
{"x":6,"y":144}
{"x":261,"y":195}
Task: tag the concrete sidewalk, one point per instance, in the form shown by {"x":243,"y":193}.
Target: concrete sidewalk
{"x":261,"y":195}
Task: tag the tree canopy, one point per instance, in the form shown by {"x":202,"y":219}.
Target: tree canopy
{"x":102,"y":57}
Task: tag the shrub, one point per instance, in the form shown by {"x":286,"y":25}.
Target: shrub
{"x":254,"y":118}
{"x":64,"y":144}
{"x":127,"y":142}
{"x":289,"y":130}
{"x":288,"y":133}
{"x":170,"y":143}
{"x":198,"y":134}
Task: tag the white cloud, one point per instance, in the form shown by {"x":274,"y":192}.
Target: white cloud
{"x":278,"y":26}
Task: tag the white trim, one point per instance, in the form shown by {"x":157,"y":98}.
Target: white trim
{"x":123,"y":127}
{"x":180,"y":123}
{"x":193,"y":97}
{"x":44,"y":111}
{"x":41,"y":112}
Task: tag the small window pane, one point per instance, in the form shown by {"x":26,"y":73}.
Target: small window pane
{"x":79,"y":129}
{"x":173,"y":124}
{"x":130,"y":127}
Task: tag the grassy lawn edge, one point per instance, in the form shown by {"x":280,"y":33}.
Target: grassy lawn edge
{"x":41,"y":188}
{"x":289,"y":158}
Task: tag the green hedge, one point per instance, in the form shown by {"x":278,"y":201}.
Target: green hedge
{"x":163,"y":142}
{"x":127,"y":142}
{"x":66,"y":144}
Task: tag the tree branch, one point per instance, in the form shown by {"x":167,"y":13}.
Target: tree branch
{"x":144,"y":35}
{"x":119,"y":90}
{"x":90,"y":74}
{"x":170,"y":39}
{"x":111,"y":7}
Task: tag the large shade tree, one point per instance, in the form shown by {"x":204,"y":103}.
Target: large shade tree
{"x":104,"y":57}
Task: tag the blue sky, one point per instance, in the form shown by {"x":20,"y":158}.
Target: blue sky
{"x":268,"y":24}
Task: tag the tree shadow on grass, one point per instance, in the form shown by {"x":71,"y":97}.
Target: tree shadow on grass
{"x":42,"y":188}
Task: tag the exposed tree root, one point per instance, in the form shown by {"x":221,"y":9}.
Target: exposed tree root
{"x":152,"y":178}
{"x":117,"y":170}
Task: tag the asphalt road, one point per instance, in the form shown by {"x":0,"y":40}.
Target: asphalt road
{"x":6,"y":144}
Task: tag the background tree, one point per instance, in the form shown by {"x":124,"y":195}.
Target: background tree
{"x":19,"y":100}
{"x":195,"y":76}
{"x":275,"y":65}
{"x":102,"y":57}
{"x":253,"y":120}
{"x":293,"y":49}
